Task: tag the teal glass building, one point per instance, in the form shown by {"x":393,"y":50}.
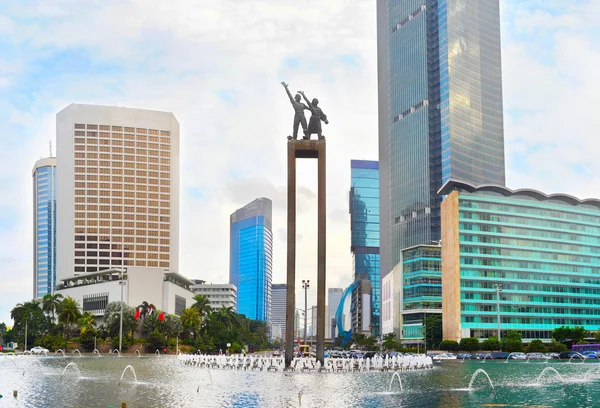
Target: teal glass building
{"x":421,"y":288}
{"x":364,"y":225}
{"x":251,"y":258}
{"x":440,"y":111}
{"x":543,"y":249}
{"x":44,"y":225}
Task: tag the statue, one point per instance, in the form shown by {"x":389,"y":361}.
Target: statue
{"x":314,"y":125}
{"x":299,"y":118}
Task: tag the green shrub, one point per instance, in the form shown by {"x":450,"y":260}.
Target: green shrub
{"x":156,"y":341}
{"x":86,"y":341}
{"x":448,"y":345}
{"x":557,"y":347}
{"x":469,"y":344}
{"x":52,"y":342}
{"x":536,"y":346}
{"x":125,"y":343}
{"x":490,"y":344}
{"x":512,"y":345}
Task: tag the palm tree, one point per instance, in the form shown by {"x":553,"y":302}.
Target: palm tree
{"x":17,"y":312}
{"x":68,"y":312}
{"x":190,"y":320}
{"x":87,"y":323}
{"x":227,"y":316}
{"x":51,"y":303}
{"x":202,"y":305}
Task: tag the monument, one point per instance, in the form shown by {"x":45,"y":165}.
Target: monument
{"x":305,"y":149}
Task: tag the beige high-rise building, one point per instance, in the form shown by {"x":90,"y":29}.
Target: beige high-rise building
{"x":117,"y":189}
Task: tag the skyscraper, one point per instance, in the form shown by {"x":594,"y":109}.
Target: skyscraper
{"x":44,"y":227}
{"x":440,"y":111}
{"x":118,"y":189}
{"x":251,"y":258}
{"x":364,"y":225}
{"x":278,"y":293}
{"x":334,"y":295}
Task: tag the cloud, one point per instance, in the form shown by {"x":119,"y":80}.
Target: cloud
{"x":217,"y":65}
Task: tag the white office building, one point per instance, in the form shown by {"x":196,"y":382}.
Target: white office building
{"x":220,"y":294}
{"x":117,"y":189}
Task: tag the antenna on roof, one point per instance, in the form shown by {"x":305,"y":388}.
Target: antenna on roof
{"x":50,"y":147}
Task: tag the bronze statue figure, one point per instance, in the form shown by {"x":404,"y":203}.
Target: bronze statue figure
{"x":314,"y":125}
{"x":299,"y":107}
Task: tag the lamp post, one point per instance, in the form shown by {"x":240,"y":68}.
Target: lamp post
{"x":498,"y":290}
{"x":121,"y":317}
{"x":305,"y":286}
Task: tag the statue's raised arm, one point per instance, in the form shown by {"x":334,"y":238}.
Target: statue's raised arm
{"x":287,"y":91}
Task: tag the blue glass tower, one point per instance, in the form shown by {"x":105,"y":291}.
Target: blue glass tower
{"x":44,"y":225}
{"x":251,"y":258}
{"x":440,"y":111}
{"x":364,"y":224}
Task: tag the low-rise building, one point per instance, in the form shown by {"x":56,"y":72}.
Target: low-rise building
{"x":219,"y":294}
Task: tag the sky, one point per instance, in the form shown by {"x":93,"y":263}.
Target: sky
{"x":217,"y":65}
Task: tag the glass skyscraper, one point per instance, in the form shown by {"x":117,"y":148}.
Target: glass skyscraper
{"x":44,"y":225}
{"x":364,"y":224}
{"x":251,"y":258}
{"x":440,"y":111}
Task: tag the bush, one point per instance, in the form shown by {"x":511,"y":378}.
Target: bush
{"x":156,"y":341}
{"x":557,"y":347}
{"x":469,"y":344}
{"x":536,"y":346}
{"x":490,"y":344}
{"x":87,"y":341}
{"x":235,"y":348}
{"x":449,"y":345}
{"x":512,"y":345}
{"x":52,"y":342}
{"x":125,"y":343}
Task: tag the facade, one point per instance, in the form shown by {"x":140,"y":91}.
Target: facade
{"x":334,"y":296}
{"x":360,"y":308}
{"x":364,"y":224}
{"x":440,"y":111}
{"x":220,"y":294}
{"x":167,"y":291}
{"x":543,"y":249}
{"x":118,"y":189}
{"x":44,"y":227}
{"x":421,"y":279}
{"x":251,"y":258}
{"x":278,"y":298}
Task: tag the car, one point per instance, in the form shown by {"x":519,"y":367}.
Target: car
{"x":516,"y":356}
{"x":568,"y":354}
{"x":536,"y":356}
{"x":276,"y":353}
{"x":38,"y":350}
{"x":500,"y":355}
{"x":370,"y":354}
{"x":444,"y":356}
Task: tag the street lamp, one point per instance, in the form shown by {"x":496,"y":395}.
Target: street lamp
{"x":305,"y":286}
{"x":121,"y":317}
{"x":498,"y":290}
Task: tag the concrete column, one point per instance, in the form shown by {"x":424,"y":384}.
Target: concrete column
{"x":321,"y":246}
{"x":290,"y":301}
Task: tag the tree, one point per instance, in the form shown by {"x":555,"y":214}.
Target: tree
{"x":511,"y":342}
{"x":190,"y":320}
{"x":87,"y":324}
{"x":390,"y":342}
{"x":448,"y":345}
{"x":556,"y":347}
{"x":51,"y":304}
{"x":112,"y":316}
{"x":536,"y":346}
{"x":490,"y":344}
{"x":32,"y":315}
{"x":68,"y":312}
{"x":156,"y":341}
{"x":202,"y":304}
{"x":433,"y":331}
{"x":2,"y":332}
{"x":469,"y":343}
{"x":574,"y":334}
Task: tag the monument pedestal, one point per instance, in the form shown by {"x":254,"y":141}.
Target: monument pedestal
{"x":305,"y":149}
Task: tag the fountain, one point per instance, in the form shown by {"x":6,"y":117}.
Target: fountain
{"x":117,"y":351}
{"x":137,"y":351}
{"x":125,"y":370}
{"x":77,"y":350}
{"x":399,"y":382}
{"x":552,"y":369}
{"x":475,"y":374}
{"x":96,"y":352}
{"x":578,"y":356}
{"x":71,"y":364}
{"x":486,"y":356}
{"x":590,"y":371}
{"x":60,"y":350}
{"x":507,"y":357}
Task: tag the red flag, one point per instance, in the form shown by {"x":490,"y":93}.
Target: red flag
{"x":161,"y":317}
{"x":137,"y":314}
{"x":151,"y":309}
